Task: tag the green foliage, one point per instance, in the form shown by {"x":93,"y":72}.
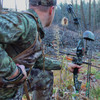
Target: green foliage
{"x":98,"y":54}
{"x":97,"y":75}
{"x":92,"y":59}
{"x":54,"y":91}
{"x":93,"y":70}
{"x":95,"y":93}
{"x":24,"y":96}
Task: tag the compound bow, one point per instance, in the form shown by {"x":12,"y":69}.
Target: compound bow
{"x":81,"y":49}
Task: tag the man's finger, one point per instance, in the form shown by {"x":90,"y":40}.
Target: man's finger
{"x":77,"y":66}
{"x":79,"y":70}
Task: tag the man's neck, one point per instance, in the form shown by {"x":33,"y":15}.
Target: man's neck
{"x":41,"y":16}
{"x":43,"y":20}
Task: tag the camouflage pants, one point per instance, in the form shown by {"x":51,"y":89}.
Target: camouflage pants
{"x":41,"y":82}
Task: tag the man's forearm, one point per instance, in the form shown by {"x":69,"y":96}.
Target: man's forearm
{"x":50,"y":64}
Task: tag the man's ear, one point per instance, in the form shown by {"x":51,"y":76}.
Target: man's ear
{"x":51,"y":9}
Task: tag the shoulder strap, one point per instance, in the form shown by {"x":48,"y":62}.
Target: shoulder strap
{"x":36,"y":19}
{"x":20,"y":54}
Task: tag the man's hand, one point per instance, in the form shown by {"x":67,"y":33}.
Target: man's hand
{"x":17,"y":72}
{"x":23,"y":71}
{"x":71,"y":67}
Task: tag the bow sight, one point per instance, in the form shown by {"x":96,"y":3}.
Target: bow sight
{"x":81,"y":49}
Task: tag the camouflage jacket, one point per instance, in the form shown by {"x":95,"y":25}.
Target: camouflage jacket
{"x":18,"y":32}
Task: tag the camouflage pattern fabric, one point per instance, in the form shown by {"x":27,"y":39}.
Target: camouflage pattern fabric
{"x":41,"y":83}
{"x":17,"y":33}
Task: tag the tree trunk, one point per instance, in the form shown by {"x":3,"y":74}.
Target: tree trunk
{"x":94,"y":13}
{"x":15,"y":6}
{"x":98,"y":15}
{"x":89,"y":14}
{"x":0,"y":5}
{"x":83,"y":16}
{"x":65,"y":1}
{"x":76,"y":7}
{"x":26,"y":4}
{"x":72,"y":2}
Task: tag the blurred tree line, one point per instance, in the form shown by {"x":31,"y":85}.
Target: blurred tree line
{"x":88,"y":14}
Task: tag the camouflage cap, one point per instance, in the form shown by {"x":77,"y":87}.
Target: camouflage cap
{"x":43,"y":2}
